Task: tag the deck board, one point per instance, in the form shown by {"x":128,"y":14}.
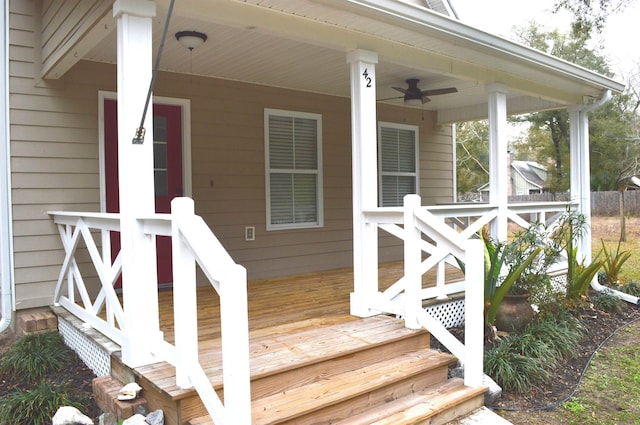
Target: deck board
{"x":284,"y":301}
{"x":279,"y":309}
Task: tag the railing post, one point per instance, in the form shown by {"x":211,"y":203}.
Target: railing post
{"x":184,"y":294}
{"x":235,"y":346}
{"x":412,"y":260}
{"x":474,"y":315}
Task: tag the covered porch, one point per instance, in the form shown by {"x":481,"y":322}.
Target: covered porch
{"x":349,"y":54}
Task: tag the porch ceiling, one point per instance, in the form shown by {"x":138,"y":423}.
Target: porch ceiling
{"x":302,"y":45}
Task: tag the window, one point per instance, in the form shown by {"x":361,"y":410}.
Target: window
{"x":398,"y":162}
{"x":293,"y":149}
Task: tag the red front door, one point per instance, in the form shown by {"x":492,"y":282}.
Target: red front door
{"x":167,"y":160}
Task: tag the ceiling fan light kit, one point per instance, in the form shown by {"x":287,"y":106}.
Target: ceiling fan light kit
{"x":191,"y":39}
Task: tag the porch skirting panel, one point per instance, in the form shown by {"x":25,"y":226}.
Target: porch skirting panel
{"x":91,"y":346}
{"x":448,"y":312}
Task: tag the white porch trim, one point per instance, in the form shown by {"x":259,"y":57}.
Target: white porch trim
{"x":136,"y":186}
{"x":7,"y":290}
{"x":498,"y":163}
{"x":365,"y":177}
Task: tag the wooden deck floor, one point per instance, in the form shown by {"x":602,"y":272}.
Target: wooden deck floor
{"x":286,"y":300}
{"x":292,"y":320}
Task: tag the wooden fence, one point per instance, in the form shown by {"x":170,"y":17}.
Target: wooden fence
{"x":608,"y":203}
{"x":602,"y":203}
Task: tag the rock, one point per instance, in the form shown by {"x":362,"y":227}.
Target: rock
{"x":107,"y":419}
{"x":68,"y":415}
{"x":493,"y":393}
{"x":494,"y":390}
{"x":136,"y":419}
{"x":129,"y":391}
{"x":141,"y":410}
{"x":155,"y":418}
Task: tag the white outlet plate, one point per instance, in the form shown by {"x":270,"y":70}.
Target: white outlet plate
{"x":250,"y":233}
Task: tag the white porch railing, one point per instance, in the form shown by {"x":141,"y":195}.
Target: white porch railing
{"x":192,"y":243}
{"x":442,"y":234}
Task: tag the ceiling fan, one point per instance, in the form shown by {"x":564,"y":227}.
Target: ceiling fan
{"x":413,"y":94}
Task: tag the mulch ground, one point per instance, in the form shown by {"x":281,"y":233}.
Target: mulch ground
{"x":566,"y":376}
{"x":77,"y":376}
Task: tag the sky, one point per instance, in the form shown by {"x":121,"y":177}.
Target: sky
{"x":499,"y":16}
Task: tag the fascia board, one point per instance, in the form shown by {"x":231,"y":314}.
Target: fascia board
{"x":422,"y":18}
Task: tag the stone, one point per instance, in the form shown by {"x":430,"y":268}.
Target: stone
{"x":107,"y":419}
{"x":141,"y":410}
{"x":136,"y":419}
{"x":129,"y":391}
{"x":494,"y":390}
{"x":68,"y":415}
{"x":155,"y":418}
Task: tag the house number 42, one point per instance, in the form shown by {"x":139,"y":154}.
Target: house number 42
{"x":367,"y":78}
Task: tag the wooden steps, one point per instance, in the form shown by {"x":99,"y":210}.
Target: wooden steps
{"x":336,"y":369}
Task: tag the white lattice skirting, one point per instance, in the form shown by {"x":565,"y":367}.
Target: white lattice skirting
{"x":449,"y":313}
{"x":93,"y":348}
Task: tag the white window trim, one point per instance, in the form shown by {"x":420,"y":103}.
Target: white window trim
{"x":413,"y":128}
{"x":319,"y":194}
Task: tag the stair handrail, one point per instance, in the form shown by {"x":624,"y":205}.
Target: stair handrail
{"x":194,"y":242}
{"x":418,"y":221}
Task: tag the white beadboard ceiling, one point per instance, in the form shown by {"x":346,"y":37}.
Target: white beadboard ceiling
{"x":302,"y":45}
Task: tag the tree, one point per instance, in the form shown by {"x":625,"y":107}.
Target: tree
{"x":590,"y":15}
{"x":472,"y":155}
{"x":549,"y":130}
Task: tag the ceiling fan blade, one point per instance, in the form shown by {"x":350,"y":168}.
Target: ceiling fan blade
{"x":400,"y":89}
{"x":436,"y":92}
{"x":389,"y":98}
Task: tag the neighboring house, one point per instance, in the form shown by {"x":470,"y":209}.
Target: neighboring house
{"x":282,"y":124}
{"x":527,"y":177}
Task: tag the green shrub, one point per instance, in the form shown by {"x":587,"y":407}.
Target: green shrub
{"x":561,"y":331}
{"x":34,"y":356}
{"x":513,"y":371}
{"x":612,"y":262}
{"x":607,"y":302}
{"x":631,"y":288}
{"x":35,"y":406}
{"x":524,"y":360}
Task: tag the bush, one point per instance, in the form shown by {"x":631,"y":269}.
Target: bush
{"x":561,"y":331}
{"x":524,"y":360}
{"x":34,"y":356}
{"x":512,"y":370}
{"x":35,"y":406}
{"x":631,"y":288}
{"x":607,"y":302}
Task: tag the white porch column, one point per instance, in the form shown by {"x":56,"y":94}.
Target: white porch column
{"x":499,"y":174}
{"x":365,"y":178}
{"x":580,"y":173}
{"x":136,"y":185}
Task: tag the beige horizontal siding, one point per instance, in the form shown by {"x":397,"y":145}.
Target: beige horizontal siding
{"x":54,"y":156}
{"x":55,"y":164}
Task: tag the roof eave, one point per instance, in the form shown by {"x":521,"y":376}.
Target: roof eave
{"x":406,"y":13}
